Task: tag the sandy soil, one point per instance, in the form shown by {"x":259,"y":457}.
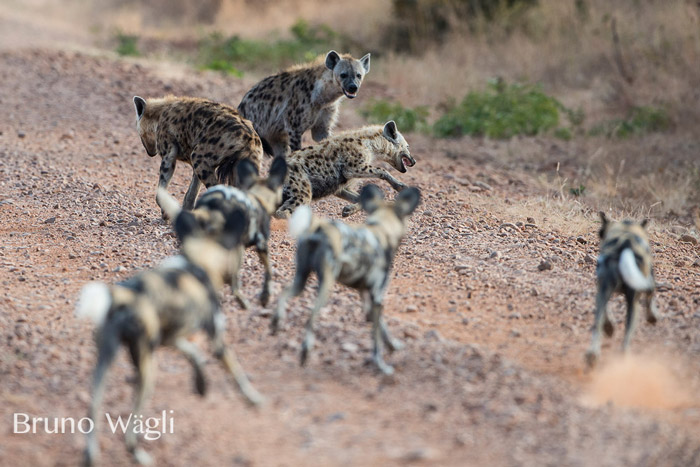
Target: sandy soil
{"x":492,"y":373}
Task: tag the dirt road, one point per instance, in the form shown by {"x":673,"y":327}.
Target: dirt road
{"x":492,"y":373}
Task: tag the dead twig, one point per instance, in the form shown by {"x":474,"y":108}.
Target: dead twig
{"x":617,"y":53}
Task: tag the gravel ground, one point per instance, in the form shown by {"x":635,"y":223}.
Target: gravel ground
{"x":494,"y":309}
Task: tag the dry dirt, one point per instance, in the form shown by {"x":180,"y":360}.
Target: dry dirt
{"x":492,"y":373}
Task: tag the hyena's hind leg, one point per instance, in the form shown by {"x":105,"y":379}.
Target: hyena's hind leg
{"x":605,"y":290}
{"x":192,"y":192}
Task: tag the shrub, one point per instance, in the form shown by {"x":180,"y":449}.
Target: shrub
{"x":640,"y":120}
{"x":407,"y":119}
{"x":501,"y":111}
{"x":306,"y":43}
{"x":127,"y":45}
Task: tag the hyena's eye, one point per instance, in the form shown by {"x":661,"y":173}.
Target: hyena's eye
{"x":343,"y":75}
{"x":358,"y":75}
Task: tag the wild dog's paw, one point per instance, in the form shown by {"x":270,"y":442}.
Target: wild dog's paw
{"x":591,"y":358}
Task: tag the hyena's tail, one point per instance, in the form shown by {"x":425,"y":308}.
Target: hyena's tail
{"x":302,"y":221}
{"x":169,"y":204}
{"x":631,"y":274}
{"x":94,"y":302}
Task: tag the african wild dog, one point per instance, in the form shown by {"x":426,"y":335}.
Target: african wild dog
{"x":357,"y":256}
{"x":258,"y":199}
{"x":283,"y":106}
{"x":209,"y":136}
{"x":328,"y":167}
{"x":165,"y":306}
{"x":624,"y":265}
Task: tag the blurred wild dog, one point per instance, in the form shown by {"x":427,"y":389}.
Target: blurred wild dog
{"x":327,"y":168}
{"x":165,"y":306}
{"x":257,"y":199}
{"x":357,"y":256}
{"x":624,"y":265}
{"x":209,"y":136}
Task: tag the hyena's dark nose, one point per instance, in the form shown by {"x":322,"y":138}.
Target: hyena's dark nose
{"x":352,"y":88}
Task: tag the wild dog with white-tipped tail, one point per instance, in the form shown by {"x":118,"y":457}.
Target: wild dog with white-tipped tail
{"x":357,"y":256}
{"x":625,"y":266}
{"x":165,"y":306}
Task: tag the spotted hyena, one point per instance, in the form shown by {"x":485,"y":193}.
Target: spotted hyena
{"x":283,"y":106}
{"x":209,"y":136}
{"x":625,"y":266}
{"x":328,"y":168}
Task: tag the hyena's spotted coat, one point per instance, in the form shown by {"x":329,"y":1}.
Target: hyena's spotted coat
{"x":327,"y":168}
{"x":209,"y":136}
{"x":283,"y":106}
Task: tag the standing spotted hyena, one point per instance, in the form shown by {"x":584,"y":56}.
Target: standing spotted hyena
{"x":328,"y":168}
{"x":209,"y":136}
{"x":283,"y":106}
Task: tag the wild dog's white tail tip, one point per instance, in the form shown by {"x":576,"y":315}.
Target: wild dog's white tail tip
{"x":169,"y":205}
{"x":94,"y":302}
{"x":631,"y":274}
{"x":300,"y":221}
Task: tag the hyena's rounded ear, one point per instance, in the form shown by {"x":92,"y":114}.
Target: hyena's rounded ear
{"x":246,"y":174}
{"x":332,"y":59}
{"x":365,"y":63}
{"x":370,"y":198}
{"x":278,"y":172}
{"x":407,"y":201}
{"x":390,"y":131}
{"x":140,"y":104}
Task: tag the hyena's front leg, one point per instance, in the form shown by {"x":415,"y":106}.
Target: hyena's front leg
{"x":192,"y":192}
{"x":351,"y":196}
{"x":167,"y":169}
{"x":293,"y":133}
{"x":605,"y":290}
{"x":375,"y":172}
{"x":204,"y":167}
{"x":325,"y":121}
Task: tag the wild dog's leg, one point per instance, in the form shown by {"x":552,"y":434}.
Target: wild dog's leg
{"x":195,"y":357}
{"x":631,"y":322}
{"x":192,"y":192}
{"x":265,"y":260}
{"x":325,"y":284}
{"x":230,"y":361}
{"x":605,"y":290}
{"x":294,"y":290}
{"x":235,"y":268}
{"x":652,"y":311}
{"x":377,"y":338}
{"x":375,"y":172}
{"x":391,"y":343}
{"x":143,"y":359}
{"x":108,"y":346}
{"x":351,"y":196}
{"x":167,"y":169}
{"x":367,"y":306}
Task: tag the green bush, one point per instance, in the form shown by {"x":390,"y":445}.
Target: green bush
{"x":306,"y":43}
{"x":407,"y":120}
{"x":127,"y":45}
{"x":640,"y":120}
{"x":501,"y":111}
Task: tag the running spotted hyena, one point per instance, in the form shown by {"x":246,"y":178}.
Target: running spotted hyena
{"x":328,"y":168}
{"x":209,"y":136}
{"x":283,"y":106}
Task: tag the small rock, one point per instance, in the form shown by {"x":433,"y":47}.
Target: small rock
{"x":459,"y":267}
{"x":514,"y":316}
{"x":514,"y":333}
{"x":495,"y":255}
{"x":530,"y":220}
{"x":349,"y":347}
{"x":433,"y":335}
{"x":428,"y":213}
{"x":581,"y":240}
{"x":534,"y":292}
{"x":589,"y":259}
{"x":50,"y":220}
{"x":119,"y":268}
{"x":689,"y":239}
{"x":411,"y":309}
{"x":21,"y":134}
{"x":72,"y":256}
{"x":544,"y":266}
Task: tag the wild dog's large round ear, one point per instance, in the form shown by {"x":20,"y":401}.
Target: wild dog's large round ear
{"x":186,"y":225}
{"x":278,"y":172}
{"x":644,"y":223}
{"x":407,"y":201}
{"x":140,"y":104}
{"x":390,"y":131}
{"x":332,"y":59}
{"x":370,"y":198}
{"x":365,"y":63}
{"x":603,"y":223}
{"x":246,"y":174}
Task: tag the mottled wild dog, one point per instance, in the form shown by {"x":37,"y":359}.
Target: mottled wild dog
{"x":257,"y":198}
{"x":283,"y":106}
{"x":357,"y":256}
{"x":209,"y":136}
{"x":328,"y":167}
{"x":625,"y":266}
{"x":165,"y":306}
